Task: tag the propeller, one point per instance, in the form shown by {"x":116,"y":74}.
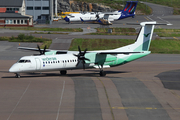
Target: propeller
{"x":42,"y":52}
{"x":81,"y":57}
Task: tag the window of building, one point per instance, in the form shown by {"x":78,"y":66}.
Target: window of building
{"x":7,"y":21}
{"x":45,"y":8}
{"x":10,"y":21}
{"x":25,"y":21}
{"x":39,"y":17}
{"x":18,"y":21}
{"x":29,"y":8}
{"x":16,"y":9}
{"x":22,"y":22}
{"x":37,"y":8}
{"x":14,"y":21}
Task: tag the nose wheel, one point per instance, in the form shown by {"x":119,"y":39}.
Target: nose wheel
{"x":63,"y":72}
{"x":17,"y":75}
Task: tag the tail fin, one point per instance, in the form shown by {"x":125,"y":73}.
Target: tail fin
{"x":129,"y":10}
{"x":145,"y":35}
{"x":143,"y":39}
{"x":130,"y":7}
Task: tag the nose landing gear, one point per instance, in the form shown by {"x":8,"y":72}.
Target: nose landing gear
{"x":17,"y":75}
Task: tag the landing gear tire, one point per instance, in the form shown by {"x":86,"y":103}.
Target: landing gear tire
{"x":63,"y":72}
{"x":17,"y":75}
{"x":102,"y":73}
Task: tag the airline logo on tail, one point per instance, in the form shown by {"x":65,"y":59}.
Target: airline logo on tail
{"x":129,"y":10}
{"x":146,"y":35}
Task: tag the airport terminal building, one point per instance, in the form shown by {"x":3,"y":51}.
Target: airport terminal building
{"x":39,"y":9}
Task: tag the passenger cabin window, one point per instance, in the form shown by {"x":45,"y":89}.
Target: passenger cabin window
{"x":24,"y":61}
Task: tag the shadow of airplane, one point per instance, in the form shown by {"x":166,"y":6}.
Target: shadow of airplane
{"x":95,"y":73}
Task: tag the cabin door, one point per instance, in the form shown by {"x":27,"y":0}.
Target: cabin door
{"x":38,"y":63}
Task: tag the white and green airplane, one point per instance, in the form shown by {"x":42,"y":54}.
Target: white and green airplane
{"x":50,"y":60}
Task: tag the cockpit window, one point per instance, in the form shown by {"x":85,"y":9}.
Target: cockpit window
{"x":24,"y":61}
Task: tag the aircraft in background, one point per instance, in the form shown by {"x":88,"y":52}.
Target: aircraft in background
{"x":52,"y":60}
{"x":100,"y":17}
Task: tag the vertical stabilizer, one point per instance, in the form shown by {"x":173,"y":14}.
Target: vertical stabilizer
{"x":145,"y":35}
{"x":129,"y":9}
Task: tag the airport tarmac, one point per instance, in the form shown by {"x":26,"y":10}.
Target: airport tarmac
{"x":146,"y":89}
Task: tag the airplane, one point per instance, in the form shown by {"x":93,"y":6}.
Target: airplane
{"x":51,"y":60}
{"x":128,"y":11}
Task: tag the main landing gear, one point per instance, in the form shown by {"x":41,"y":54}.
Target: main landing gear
{"x":102,"y":73}
{"x":63,"y":72}
{"x":17,"y":75}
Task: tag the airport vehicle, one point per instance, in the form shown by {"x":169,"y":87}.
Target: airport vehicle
{"x":51,"y":60}
{"x":64,"y":14}
{"x":128,"y":11}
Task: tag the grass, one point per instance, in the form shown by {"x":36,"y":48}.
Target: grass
{"x":48,"y":33}
{"x":165,"y":46}
{"x":46,"y":29}
{"x":98,"y":44}
{"x":168,"y":32}
{"x":157,"y":46}
{"x":27,"y":38}
{"x":115,"y":31}
{"x":131,"y":31}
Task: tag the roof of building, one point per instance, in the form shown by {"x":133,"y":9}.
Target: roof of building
{"x":12,"y":15}
{"x":11,"y":3}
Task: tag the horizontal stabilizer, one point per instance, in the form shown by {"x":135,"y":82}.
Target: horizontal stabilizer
{"x":148,"y":23}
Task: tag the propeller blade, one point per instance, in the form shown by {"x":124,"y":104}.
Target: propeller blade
{"x":78,"y":63}
{"x":39,"y":49}
{"x":81,"y":57}
{"x":86,"y":59}
{"x":44,"y":50}
{"x":79,"y":49}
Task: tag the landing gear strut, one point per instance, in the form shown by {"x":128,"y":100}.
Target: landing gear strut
{"x":17,"y":75}
{"x":63,"y":72}
{"x":102,"y":73}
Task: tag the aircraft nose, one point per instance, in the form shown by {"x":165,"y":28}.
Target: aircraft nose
{"x":14,"y":69}
{"x":66,"y":19}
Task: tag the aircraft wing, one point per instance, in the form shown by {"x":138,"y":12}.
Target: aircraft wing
{"x":32,"y":49}
{"x":47,"y":50}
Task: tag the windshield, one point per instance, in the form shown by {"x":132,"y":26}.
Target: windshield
{"x":24,"y":61}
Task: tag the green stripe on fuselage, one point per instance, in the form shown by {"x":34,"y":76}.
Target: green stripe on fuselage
{"x":129,"y":58}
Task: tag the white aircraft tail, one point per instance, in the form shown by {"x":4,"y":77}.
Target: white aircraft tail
{"x":143,"y":39}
